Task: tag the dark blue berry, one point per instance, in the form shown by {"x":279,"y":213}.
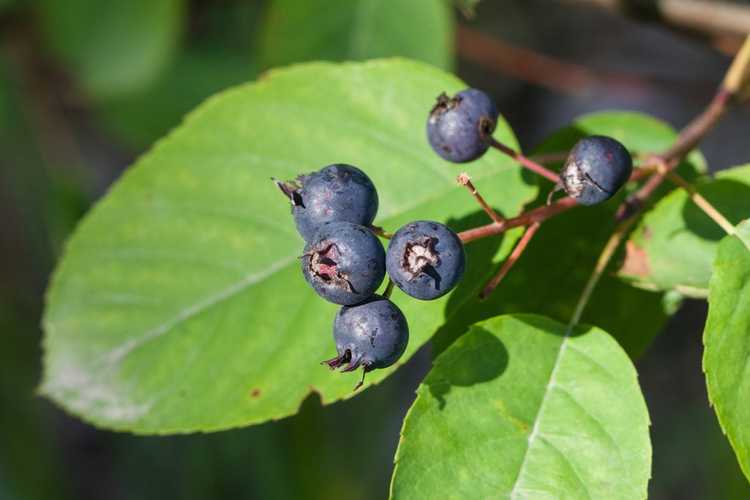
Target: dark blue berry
{"x":459,"y":127}
{"x":425,"y":259}
{"x":335,"y":193}
{"x":372,"y":335}
{"x":596,"y":168}
{"x":344,"y":263}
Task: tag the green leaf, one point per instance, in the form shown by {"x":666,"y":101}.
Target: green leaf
{"x":675,"y":244}
{"x":517,"y":409}
{"x":116,"y":47}
{"x":553,"y":270}
{"x":305,"y":30}
{"x":726,"y":338}
{"x":179,"y":304}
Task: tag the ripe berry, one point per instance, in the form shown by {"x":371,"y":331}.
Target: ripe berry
{"x":372,"y":334}
{"x":596,"y":168}
{"x":459,"y":127}
{"x":425,"y":259}
{"x":335,"y":193}
{"x":344,"y":263}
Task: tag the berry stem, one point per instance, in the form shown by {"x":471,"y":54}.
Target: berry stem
{"x":539,"y":214}
{"x":524,"y":161}
{"x":465,"y":180}
{"x":379,"y":231}
{"x":388,"y":289}
{"x":702,"y":203}
{"x":512,"y":258}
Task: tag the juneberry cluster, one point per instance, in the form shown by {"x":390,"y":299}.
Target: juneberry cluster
{"x":460,"y":128}
{"x":345,"y":263}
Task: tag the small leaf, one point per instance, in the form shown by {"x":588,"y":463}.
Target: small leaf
{"x":179,"y":304}
{"x":113,"y":47}
{"x":675,"y":244}
{"x":517,"y":409}
{"x":305,"y":30}
{"x":726,"y":339}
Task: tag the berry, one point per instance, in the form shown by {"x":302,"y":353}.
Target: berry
{"x":372,"y":334}
{"x":459,"y":127}
{"x":344,"y":263}
{"x":596,"y":168}
{"x":425,"y":259}
{"x":337,"y":192}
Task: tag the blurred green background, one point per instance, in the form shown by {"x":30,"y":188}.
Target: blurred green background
{"x":86,"y":86}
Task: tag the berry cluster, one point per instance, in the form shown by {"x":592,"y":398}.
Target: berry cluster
{"x":345,"y":263}
{"x":344,"y":260}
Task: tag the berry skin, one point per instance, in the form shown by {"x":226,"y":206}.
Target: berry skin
{"x":425,"y":259}
{"x":459,"y":127}
{"x":596,"y":168}
{"x":337,"y":192}
{"x":344,"y":263}
{"x":372,"y":334}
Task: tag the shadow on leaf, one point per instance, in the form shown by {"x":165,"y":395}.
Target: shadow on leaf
{"x":480,"y":357}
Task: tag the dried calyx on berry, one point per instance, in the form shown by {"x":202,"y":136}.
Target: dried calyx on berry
{"x":596,"y":168}
{"x":425,"y":259}
{"x":344,"y":263}
{"x":370,"y":335}
{"x":459,"y":128}
{"x":337,"y":192}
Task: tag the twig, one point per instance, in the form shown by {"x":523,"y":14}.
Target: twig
{"x":710,"y":17}
{"x":539,"y":214}
{"x":465,"y":180}
{"x":512,"y":258}
{"x":524,"y":161}
{"x":702,"y":203}
{"x":530,"y":66}
{"x":601,"y":264}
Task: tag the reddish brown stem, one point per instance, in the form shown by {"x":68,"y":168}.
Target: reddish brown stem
{"x":526,"y":162}
{"x":539,"y":214}
{"x":512,"y":258}
{"x":465,"y":180}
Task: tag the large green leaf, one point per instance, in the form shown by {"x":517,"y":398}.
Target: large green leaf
{"x":552,"y":272}
{"x":179,"y":304}
{"x":727,"y":341}
{"x":675,"y":244}
{"x":113,"y":47}
{"x":518,"y":409}
{"x":304,"y":30}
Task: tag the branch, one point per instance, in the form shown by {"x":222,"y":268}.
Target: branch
{"x":465,"y":180}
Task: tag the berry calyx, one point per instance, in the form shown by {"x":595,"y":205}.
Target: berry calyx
{"x":371,"y":335}
{"x":596,"y":168}
{"x":338,"y":192}
{"x":344,"y":263}
{"x":425,"y":259}
{"x":459,"y":127}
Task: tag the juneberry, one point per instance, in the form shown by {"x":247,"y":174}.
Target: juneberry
{"x":459,"y":127}
{"x":596,"y":168}
{"x":344,"y":262}
{"x":425,"y":259}
{"x":337,"y":192}
{"x":372,"y":335}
